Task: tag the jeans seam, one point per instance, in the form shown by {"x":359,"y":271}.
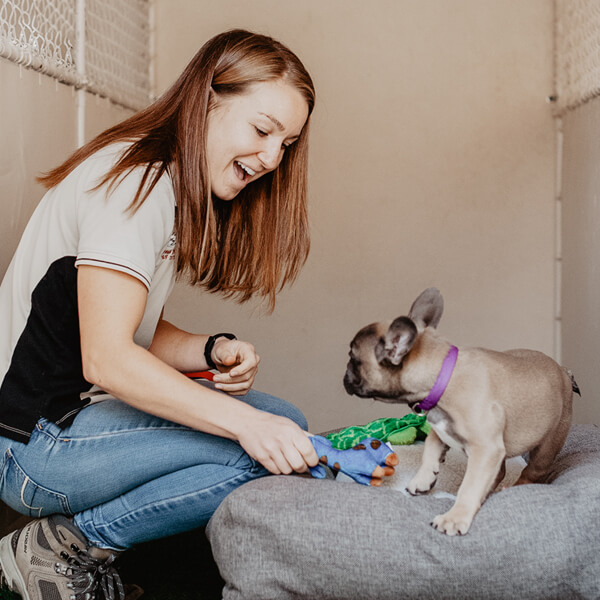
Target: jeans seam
{"x":122,"y":432}
{"x":246,"y":476}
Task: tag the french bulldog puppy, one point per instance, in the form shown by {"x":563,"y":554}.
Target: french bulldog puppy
{"x":492,"y":405}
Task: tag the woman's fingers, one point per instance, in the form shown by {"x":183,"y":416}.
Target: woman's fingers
{"x":279,"y":445}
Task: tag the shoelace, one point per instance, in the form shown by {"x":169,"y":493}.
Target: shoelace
{"x":88,"y":575}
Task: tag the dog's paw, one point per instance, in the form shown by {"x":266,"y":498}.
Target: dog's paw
{"x":421,"y":483}
{"x":452,"y":523}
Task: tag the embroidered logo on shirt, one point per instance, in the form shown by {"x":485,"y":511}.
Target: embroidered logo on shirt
{"x":169,"y":250}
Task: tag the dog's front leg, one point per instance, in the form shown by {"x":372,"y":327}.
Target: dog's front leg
{"x":483,"y":465}
{"x":426,"y":476}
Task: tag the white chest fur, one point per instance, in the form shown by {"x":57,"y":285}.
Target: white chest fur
{"x":444,"y":428}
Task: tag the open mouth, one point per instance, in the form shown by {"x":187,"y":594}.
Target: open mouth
{"x":243,"y":171}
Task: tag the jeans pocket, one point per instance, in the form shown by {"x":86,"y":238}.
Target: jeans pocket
{"x":27,"y":497}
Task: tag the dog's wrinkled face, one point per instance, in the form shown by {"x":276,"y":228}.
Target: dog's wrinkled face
{"x":368,"y":373}
{"x":381,"y":354}
{"x":362,"y":366}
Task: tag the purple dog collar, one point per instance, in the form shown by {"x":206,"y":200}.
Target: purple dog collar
{"x":441,"y":383}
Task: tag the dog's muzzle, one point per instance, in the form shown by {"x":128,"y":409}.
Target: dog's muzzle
{"x":348,"y":385}
{"x":354,"y":384}
{"x":351,"y":379}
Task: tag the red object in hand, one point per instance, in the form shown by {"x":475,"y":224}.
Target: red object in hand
{"x":201,"y":375}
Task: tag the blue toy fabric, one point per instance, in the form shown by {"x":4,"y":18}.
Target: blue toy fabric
{"x":369,"y":459}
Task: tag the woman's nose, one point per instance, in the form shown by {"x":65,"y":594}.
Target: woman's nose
{"x":270,"y":156}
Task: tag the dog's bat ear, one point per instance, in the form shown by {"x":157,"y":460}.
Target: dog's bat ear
{"x":398,"y":341}
{"x":428,"y":308}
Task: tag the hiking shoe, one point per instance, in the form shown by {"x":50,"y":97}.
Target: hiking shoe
{"x":50,"y":559}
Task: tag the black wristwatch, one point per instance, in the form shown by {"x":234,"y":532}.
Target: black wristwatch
{"x":210,"y":342}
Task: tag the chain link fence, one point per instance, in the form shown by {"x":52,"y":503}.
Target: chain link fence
{"x":577,"y":52}
{"x":102,"y":46}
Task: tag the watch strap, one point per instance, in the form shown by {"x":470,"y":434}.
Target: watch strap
{"x":210,"y":343}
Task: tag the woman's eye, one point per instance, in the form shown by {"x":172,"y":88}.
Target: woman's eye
{"x":260,"y":132}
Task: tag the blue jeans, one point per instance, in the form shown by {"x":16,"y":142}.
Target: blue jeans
{"x":127,"y":476}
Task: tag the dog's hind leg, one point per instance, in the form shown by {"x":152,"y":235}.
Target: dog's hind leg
{"x":426,"y":476}
{"x":541,"y":458}
{"x":500,"y":476}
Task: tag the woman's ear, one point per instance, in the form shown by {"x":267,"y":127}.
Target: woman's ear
{"x":212,"y":99}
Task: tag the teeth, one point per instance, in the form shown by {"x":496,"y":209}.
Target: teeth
{"x":245,"y":168}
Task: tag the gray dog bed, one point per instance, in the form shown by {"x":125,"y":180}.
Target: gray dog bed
{"x":295,"y":537}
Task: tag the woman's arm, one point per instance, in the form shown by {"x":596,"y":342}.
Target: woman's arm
{"x":111,"y":307}
{"x":236,"y":360}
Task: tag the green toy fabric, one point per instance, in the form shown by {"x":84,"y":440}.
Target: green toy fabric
{"x":397,"y":431}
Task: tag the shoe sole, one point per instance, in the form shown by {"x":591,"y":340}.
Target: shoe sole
{"x":9,"y":572}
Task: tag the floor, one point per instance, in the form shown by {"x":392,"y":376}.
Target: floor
{"x":180,"y":567}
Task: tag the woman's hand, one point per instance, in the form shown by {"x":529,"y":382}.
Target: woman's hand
{"x":277,"y":443}
{"x":237,"y":363}
{"x":236,"y":360}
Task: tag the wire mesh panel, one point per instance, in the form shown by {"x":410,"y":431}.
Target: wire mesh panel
{"x":577,"y":52}
{"x":117,"y":50}
{"x":40,"y":34}
{"x":100,"y":45}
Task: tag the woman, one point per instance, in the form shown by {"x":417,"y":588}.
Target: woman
{"x":208,"y":183}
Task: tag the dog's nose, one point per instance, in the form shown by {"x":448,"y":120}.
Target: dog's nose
{"x":349,"y":382}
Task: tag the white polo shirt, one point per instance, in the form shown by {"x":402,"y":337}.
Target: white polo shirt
{"x":40,"y":352}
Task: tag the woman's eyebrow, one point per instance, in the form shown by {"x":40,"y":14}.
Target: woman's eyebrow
{"x":273,"y":120}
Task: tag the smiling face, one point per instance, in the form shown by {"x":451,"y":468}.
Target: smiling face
{"x":247,"y":134}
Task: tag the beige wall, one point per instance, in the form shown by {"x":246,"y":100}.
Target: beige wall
{"x":580,"y":196}
{"x":39,"y":127}
{"x":432,"y":163}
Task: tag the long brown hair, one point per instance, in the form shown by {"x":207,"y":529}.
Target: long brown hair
{"x":254,"y":244}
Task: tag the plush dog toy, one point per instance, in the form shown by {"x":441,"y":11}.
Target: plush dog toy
{"x":367,"y":462}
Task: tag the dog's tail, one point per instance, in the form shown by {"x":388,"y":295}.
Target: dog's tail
{"x":574,"y":385}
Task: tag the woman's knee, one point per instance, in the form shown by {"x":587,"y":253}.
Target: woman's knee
{"x":296,"y":415}
{"x":276,"y":406}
